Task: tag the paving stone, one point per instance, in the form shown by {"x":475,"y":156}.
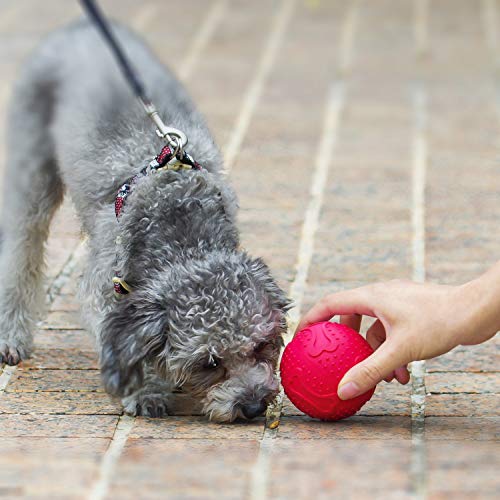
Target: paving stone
{"x":37,"y":19}
{"x":65,"y":222}
{"x":41,"y":448}
{"x":389,"y":399}
{"x":196,"y":428}
{"x":149,"y":20}
{"x":233,"y":51}
{"x":58,"y":403}
{"x":322,"y":469}
{"x":321,"y":288}
{"x":62,"y":320}
{"x":65,"y":302}
{"x":184,"y":468}
{"x":58,"y":252}
{"x":462,"y":469}
{"x":271,"y":145}
{"x":365,"y":229}
{"x":64,"y":238}
{"x":365,"y":234}
{"x":64,"y":339}
{"x":49,"y":467}
{"x":462,"y":428}
{"x":55,"y":380}
{"x":462,"y":405}
{"x":47,"y":480}
{"x":356,"y":427}
{"x":469,"y":383}
{"x":62,"y":359}
{"x":57,"y":426}
{"x":475,"y":358}
{"x":461,"y":195}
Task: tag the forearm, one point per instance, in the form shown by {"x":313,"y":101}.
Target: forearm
{"x":483,"y":297}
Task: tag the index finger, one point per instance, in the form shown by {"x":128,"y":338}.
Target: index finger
{"x":355,"y":301}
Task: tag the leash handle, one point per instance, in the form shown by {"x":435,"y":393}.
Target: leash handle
{"x":176,"y":138}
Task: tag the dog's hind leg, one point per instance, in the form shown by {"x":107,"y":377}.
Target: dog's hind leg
{"x":32,"y":191}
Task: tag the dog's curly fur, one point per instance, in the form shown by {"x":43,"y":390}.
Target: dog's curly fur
{"x":203,"y":315}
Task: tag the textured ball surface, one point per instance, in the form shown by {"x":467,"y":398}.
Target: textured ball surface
{"x":314,"y":363}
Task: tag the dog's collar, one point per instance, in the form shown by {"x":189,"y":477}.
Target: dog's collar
{"x":166,"y":160}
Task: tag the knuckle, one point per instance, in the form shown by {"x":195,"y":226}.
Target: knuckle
{"x":371,"y":373}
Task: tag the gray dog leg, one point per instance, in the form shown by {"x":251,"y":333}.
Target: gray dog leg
{"x":33,"y":190}
{"x":152,"y":399}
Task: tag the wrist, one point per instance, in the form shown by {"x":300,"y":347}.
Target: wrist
{"x":480,"y":299}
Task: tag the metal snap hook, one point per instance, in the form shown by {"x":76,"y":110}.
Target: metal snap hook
{"x":162,"y":130}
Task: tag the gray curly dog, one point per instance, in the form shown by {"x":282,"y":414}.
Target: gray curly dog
{"x":203,"y":317}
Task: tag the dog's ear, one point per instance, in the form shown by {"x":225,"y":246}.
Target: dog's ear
{"x":131,"y":333}
{"x":278,"y":298}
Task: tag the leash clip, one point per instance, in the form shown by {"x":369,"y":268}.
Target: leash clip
{"x":175,"y":138}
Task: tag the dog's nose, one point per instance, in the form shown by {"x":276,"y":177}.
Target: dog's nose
{"x":253,"y":410}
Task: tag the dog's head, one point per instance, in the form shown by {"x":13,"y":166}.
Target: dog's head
{"x":213,"y":327}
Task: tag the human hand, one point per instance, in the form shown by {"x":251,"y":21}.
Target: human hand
{"x":413,"y":322}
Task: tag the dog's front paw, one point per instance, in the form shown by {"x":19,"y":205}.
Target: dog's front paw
{"x":146,"y":405}
{"x":12,"y":354}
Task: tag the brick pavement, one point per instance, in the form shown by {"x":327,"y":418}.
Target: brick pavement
{"x":362,"y":138}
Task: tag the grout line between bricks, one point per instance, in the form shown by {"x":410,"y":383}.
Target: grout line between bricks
{"x":254,"y":90}
{"x":261,"y":469}
{"x":334,"y":106}
{"x":418,"y":183}
{"x":421,"y":27}
{"x":489,"y":19}
{"x":203,"y":36}
{"x":419,"y":167}
{"x":419,"y":171}
{"x":346,"y":48}
{"x":111,"y":456}
{"x":5,"y":377}
{"x":126,"y":423}
{"x":64,"y":276}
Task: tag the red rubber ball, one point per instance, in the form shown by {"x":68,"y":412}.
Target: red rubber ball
{"x":314,"y":363}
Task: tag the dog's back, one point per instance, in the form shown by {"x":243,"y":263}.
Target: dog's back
{"x":75,"y":126}
{"x":89,"y":113}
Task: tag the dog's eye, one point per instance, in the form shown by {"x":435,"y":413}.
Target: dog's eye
{"x":211,"y":364}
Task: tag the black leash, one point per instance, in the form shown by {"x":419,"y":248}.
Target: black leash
{"x":172,"y":156}
{"x":176,"y":138}
{"x":97,"y":16}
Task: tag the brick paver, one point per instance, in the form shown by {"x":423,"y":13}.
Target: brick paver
{"x":362,"y":139}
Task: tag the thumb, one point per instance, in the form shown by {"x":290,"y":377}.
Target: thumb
{"x":369,"y":372}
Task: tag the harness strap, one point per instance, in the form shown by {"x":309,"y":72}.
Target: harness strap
{"x":166,"y":160}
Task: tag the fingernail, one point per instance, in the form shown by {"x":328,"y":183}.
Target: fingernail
{"x":348,"y":391}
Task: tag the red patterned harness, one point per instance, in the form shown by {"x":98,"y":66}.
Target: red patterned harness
{"x":166,"y":160}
